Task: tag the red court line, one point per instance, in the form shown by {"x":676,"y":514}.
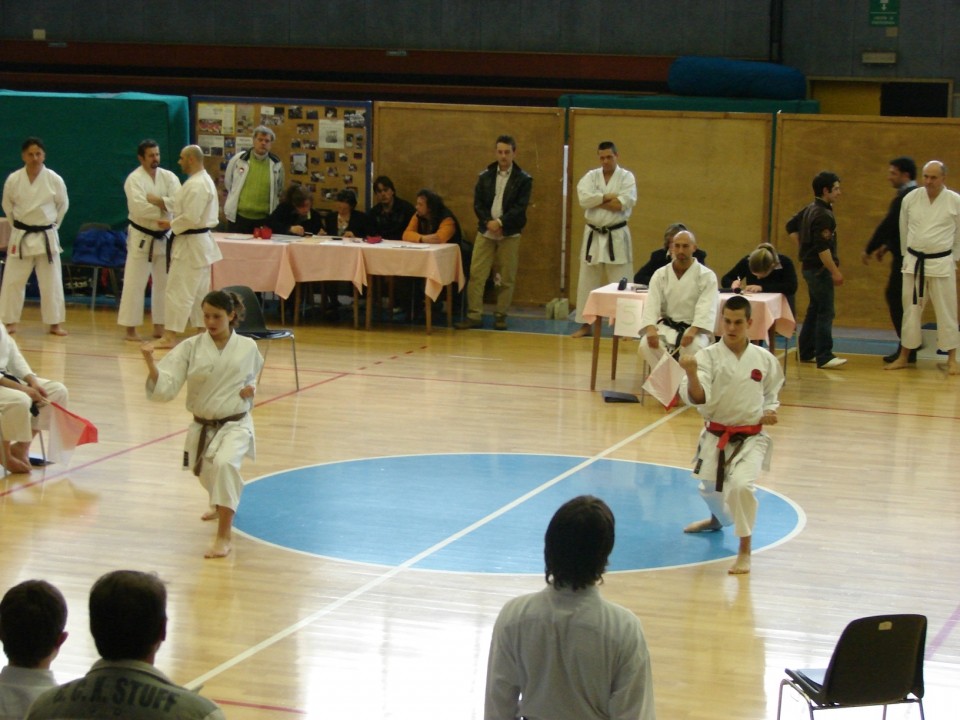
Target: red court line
{"x":258,"y":706}
{"x":863,"y":411}
{"x":945,"y":631}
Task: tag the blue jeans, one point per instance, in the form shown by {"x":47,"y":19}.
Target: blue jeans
{"x":816,"y":335}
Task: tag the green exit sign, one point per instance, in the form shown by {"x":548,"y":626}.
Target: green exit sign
{"x":885,"y":13}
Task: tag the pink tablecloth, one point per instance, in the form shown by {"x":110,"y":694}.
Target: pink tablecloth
{"x":261,"y":265}
{"x":440,"y":265}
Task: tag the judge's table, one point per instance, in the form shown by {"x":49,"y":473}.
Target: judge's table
{"x":769,"y":311}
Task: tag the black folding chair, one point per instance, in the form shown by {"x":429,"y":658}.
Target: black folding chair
{"x":877,"y":661}
{"x":254,"y":326}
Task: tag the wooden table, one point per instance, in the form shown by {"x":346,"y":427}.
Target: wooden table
{"x":769,"y":310}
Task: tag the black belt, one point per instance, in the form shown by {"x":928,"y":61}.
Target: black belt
{"x":603,"y":231}
{"x":154,"y":235}
{"x":191,"y":231}
{"x":919,"y":267}
{"x":27,"y":229}
{"x":202,"y":442}
{"x":680,"y":327}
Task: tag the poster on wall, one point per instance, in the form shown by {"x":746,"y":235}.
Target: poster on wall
{"x":324,"y":145}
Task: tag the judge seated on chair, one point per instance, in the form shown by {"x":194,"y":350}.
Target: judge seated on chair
{"x":680,"y":311}
{"x":24,"y":404}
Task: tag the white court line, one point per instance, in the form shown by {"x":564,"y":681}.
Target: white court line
{"x":196,"y":683}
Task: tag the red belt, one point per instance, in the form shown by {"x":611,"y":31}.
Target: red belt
{"x":727,"y":433}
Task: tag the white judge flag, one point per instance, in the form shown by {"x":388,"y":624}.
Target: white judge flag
{"x":664,"y":380}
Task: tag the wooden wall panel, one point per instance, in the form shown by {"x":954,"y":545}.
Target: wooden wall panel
{"x":709,"y":171}
{"x":858,"y":149}
{"x":444,"y":148}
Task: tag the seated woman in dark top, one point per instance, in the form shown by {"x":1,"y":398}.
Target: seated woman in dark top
{"x":764,"y":270}
{"x":347,"y":221}
{"x":661,"y":256}
{"x":294,"y":214}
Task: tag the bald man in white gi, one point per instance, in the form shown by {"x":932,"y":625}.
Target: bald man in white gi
{"x":607,"y":194}
{"x":146,"y":241}
{"x":930,"y":240}
{"x":34,"y":201}
{"x":681,"y":305}
{"x":193,"y":250}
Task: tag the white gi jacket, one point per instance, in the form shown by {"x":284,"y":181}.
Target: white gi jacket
{"x":614,"y":246}
{"x":692,"y":299}
{"x":137,"y":186}
{"x":194,"y":206}
{"x":930,"y":227}
{"x":42,"y":202}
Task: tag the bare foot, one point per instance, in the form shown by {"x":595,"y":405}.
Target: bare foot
{"x":163,"y":344}
{"x":16,"y":465}
{"x":581,"y":331}
{"x":210,"y":514}
{"x":741,"y":566}
{"x":711,"y":524}
{"x":899,"y":364}
{"x":11,"y":328}
{"x":219,"y":549}
{"x":133,"y":337}
{"x":952,"y":368}
{"x":58,"y":330}
{"x":158,"y":331}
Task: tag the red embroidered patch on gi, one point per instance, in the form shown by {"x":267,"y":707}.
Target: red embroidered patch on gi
{"x":756,"y":375}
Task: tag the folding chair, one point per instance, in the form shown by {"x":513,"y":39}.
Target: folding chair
{"x":877,"y":661}
{"x":254,"y":326}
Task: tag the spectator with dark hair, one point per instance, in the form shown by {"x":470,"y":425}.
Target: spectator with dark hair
{"x":391,"y":215}
{"x":565,"y":653}
{"x":33,"y":616}
{"x":295,"y":215}
{"x":433,"y":221}
{"x":128,"y":621}
{"x":815,"y":230}
{"x":347,"y":221}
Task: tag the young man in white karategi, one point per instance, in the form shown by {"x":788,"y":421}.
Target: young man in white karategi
{"x":220,"y":369}
{"x":34,"y":201}
{"x":735,"y":386}
{"x":24,"y":404}
{"x":146,"y":241}
{"x":607,"y":194}
{"x":930,"y":240}
{"x":192,"y":248}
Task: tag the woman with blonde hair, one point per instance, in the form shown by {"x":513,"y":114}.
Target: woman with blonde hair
{"x":764,"y":270}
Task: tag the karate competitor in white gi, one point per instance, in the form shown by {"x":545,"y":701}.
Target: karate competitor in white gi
{"x":735,"y":386}
{"x":930,"y":241}
{"x":607,"y":195}
{"x":146,"y":241}
{"x":683,"y":293}
{"x":20,"y":390}
{"x":192,"y":248}
{"x":220,"y":369}
{"x":34,"y":201}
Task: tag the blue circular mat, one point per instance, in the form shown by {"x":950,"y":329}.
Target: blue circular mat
{"x":487,"y":513}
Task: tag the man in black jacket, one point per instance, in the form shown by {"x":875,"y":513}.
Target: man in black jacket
{"x":500,"y":201}
{"x":886,"y":238}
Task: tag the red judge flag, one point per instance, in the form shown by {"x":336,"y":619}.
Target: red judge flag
{"x":67,"y":430}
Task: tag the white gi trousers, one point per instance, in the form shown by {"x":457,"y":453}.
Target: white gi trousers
{"x":16,"y":422}
{"x":669,"y":336}
{"x":737,"y":504}
{"x":222,"y":458}
{"x":941,"y":292}
{"x":136,"y":272}
{"x":186,"y":288}
{"x":53,"y":310}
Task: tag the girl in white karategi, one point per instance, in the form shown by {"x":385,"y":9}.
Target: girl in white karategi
{"x":220,"y":369}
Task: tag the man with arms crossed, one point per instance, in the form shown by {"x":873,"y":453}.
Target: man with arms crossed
{"x":128,"y":621}
{"x":146,"y":241}
{"x":254,"y":183}
{"x":565,"y":653}
{"x":192,"y":249}
{"x":607,"y":194}
{"x":930,"y":240}
{"x":734,"y":385}
{"x":500,"y":201}
{"x":35,"y":202}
